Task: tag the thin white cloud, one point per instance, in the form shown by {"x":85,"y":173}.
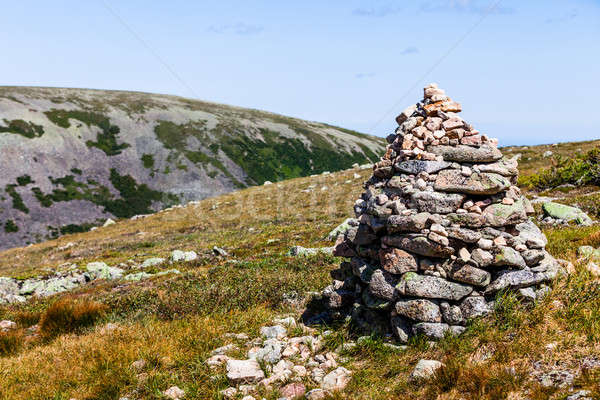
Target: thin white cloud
{"x":364,"y":75}
{"x":465,"y":6}
{"x":410,"y":50}
{"x":378,"y":12}
{"x":563,"y":18}
{"x":239,"y":28}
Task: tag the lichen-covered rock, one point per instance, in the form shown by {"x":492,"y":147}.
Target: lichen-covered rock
{"x":418,"y":244}
{"x":419,"y":310}
{"x":476,"y":184}
{"x":467,"y":154}
{"x":396,"y":261}
{"x":566,"y":213}
{"x":431,"y":287}
{"x":436,"y":202}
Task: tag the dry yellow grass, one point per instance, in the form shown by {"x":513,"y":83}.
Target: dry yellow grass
{"x":174,"y":322}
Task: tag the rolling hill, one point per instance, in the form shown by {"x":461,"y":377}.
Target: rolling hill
{"x":71,"y":158}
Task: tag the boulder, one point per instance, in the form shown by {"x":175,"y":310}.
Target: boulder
{"x":566,"y":213}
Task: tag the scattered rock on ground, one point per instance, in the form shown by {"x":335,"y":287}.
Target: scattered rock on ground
{"x":7,"y":325}
{"x":244,"y":371}
{"x":174,"y":393}
{"x":299,"y":251}
{"x":220,"y":252}
{"x":425,"y":369}
{"x":186,"y":256}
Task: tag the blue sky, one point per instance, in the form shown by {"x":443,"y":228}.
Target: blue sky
{"x":525,"y":72}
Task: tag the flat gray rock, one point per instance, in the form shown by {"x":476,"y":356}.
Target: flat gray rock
{"x":473,"y":307}
{"x":463,"y":234}
{"x":418,"y":244}
{"x":514,"y":280}
{"x":417,"y":166}
{"x":505,"y":167}
{"x":499,"y":214}
{"x":436,"y":202}
{"x":407,"y":223}
{"x":244,"y":371}
{"x":431,"y":287}
{"x":419,"y":310}
{"x":468,"y":154}
{"x":471,"y":275}
{"x":454,"y":181}
{"x":431,"y":330}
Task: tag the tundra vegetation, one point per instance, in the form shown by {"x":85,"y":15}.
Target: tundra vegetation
{"x":173,"y":322}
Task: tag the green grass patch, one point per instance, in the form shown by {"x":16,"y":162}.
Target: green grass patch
{"x":148,"y":161}
{"x":23,"y":128}
{"x":24,"y":180}
{"x":17,"y":200}
{"x":10,"y":226}
{"x":107,"y":140}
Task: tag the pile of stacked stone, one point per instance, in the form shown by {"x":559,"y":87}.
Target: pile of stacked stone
{"x":440,"y":230}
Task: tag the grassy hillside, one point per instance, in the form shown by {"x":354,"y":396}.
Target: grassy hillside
{"x":174,"y":321}
{"x":71,"y":158}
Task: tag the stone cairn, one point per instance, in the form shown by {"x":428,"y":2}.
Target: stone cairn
{"x":440,"y":230}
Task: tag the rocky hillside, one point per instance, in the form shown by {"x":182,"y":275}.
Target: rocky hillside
{"x":71,"y":158}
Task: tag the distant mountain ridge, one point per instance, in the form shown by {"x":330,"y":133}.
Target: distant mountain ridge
{"x":73,"y":157}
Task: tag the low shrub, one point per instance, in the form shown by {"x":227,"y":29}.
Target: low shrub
{"x":10,"y":342}
{"x":580,"y":170}
{"x":68,"y":315}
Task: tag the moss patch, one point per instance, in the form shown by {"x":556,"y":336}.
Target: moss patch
{"x":134,"y":198}
{"x":107,"y":140}
{"x":148,"y":161}
{"x":10,"y":226}
{"x":23,"y":128}
{"x":17,"y":200}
